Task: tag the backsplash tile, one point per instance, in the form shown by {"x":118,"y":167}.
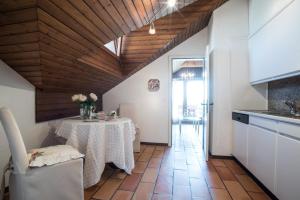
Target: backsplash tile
{"x":281,"y":90}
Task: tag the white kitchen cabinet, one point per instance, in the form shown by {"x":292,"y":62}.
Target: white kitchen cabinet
{"x":240,"y":131}
{"x":261,"y":155}
{"x":260,"y":12}
{"x":274,"y":48}
{"x":288,"y":165}
{"x":273,"y":151}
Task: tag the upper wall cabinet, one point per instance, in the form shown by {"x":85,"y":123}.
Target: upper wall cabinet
{"x":261,"y":12}
{"x":274,"y":45}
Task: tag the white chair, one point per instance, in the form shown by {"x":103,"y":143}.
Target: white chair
{"x":63,"y":181}
{"x":128,"y":110}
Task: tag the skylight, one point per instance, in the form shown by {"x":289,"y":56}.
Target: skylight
{"x":114,"y":46}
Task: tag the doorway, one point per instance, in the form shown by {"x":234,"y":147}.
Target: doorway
{"x":188,"y":94}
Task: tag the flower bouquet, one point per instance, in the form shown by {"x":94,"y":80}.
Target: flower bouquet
{"x":87,"y":104}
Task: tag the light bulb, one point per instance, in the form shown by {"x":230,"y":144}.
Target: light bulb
{"x":152,"y":30}
{"x":171,"y":3}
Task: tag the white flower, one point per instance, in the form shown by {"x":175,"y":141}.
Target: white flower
{"x":75,"y":97}
{"x":82,"y":98}
{"x":93,"y":97}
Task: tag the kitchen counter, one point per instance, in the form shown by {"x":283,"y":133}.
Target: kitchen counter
{"x":284,"y":117}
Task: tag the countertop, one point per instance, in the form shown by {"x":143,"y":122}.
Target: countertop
{"x":284,"y":117}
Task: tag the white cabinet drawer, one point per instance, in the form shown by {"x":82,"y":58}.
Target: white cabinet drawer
{"x":288,"y":165}
{"x":292,"y":130}
{"x":261,"y":155}
{"x":240,"y":135}
{"x":273,"y":152}
{"x":263,"y":122}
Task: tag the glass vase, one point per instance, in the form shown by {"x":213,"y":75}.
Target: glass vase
{"x":91,"y":110}
{"x":83,"y":111}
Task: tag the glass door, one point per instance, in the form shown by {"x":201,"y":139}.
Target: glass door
{"x":206,"y":104}
{"x":177,"y":100}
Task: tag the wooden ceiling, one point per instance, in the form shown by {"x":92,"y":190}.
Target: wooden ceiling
{"x":58,"y":45}
{"x":140,"y":48}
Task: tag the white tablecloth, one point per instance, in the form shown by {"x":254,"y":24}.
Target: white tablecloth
{"x":101,"y":142}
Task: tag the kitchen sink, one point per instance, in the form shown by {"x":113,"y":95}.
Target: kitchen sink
{"x":276,"y":113}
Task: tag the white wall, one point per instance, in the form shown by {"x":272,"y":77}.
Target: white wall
{"x":19,"y":96}
{"x":153,"y":107}
{"x":228,"y":40}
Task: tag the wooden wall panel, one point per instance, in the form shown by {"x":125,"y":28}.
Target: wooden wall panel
{"x":70,"y":32}
{"x":19,"y":38}
{"x":11,"y":5}
{"x":56,"y":105}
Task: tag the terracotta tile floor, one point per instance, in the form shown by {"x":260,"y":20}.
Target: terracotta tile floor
{"x":179,"y":172}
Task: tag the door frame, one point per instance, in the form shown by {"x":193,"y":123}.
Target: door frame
{"x":170,"y":85}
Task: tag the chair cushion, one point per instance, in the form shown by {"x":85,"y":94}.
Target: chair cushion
{"x":52,"y":155}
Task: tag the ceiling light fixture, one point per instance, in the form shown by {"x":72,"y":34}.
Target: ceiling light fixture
{"x":171,"y":3}
{"x":152,"y":30}
{"x":187,"y":75}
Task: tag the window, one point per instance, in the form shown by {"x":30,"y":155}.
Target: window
{"x":115,"y":46}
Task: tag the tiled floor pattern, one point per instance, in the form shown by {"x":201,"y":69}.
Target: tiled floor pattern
{"x":180,"y":172}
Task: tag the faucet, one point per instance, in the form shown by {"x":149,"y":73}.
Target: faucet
{"x":292,"y":105}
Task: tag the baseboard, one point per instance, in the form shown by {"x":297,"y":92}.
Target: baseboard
{"x":153,"y":143}
{"x":221,"y":157}
{"x":260,"y":184}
